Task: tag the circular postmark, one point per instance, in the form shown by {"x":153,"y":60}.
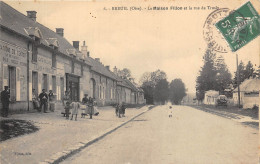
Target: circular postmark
{"x":213,"y":37}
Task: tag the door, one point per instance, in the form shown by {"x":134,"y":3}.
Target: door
{"x":35,"y":81}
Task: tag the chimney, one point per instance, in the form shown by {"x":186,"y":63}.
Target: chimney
{"x":97,"y":59}
{"x":88,"y":54}
{"x":84,"y":49}
{"x":108,"y":67}
{"x":76,"y":44}
{"x":32,"y":15}
{"x":115,"y":70}
{"x":60,"y":31}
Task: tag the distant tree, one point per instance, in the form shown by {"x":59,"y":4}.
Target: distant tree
{"x":223,"y":76}
{"x":125,"y":73}
{"x":148,"y":81}
{"x":177,"y":91}
{"x":146,"y":77}
{"x":245,"y":72}
{"x":249,"y":70}
{"x":148,"y":93}
{"x":206,"y":80}
{"x":161,"y":91}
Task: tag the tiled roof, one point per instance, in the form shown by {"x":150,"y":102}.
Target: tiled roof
{"x":21,"y":24}
{"x":100,"y":68}
{"x":134,"y":88}
{"x":122,"y":82}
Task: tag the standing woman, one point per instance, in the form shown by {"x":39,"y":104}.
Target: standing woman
{"x":66,"y":99}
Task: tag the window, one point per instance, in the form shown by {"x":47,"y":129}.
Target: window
{"x":34,"y":52}
{"x":104,"y":93}
{"x":99,"y":92}
{"x":44,"y":82}
{"x":54,"y":62}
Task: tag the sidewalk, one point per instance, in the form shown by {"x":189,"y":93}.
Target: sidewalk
{"x":57,"y":134}
{"x":239,"y":115}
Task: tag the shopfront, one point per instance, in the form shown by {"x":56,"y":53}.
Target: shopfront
{"x":72,"y":86}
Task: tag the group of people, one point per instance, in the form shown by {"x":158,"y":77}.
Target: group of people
{"x":120,"y":110}
{"x":87,"y":106}
{"x":44,"y":100}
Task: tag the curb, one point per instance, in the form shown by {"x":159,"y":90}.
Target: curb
{"x":60,"y":156}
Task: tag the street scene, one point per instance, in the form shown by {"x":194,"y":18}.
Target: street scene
{"x":206,"y":138}
{"x":129,"y":82}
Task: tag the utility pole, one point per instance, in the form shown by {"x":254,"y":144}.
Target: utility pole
{"x":238,"y":83}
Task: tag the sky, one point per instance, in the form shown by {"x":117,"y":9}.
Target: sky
{"x":142,"y":41}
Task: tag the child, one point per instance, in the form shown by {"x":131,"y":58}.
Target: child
{"x":170,"y":111}
{"x":75,"y":107}
{"x":83,"y":111}
{"x":67,"y":110}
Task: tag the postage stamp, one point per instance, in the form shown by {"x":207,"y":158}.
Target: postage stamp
{"x":213,"y":37}
{"x":240,"y":27}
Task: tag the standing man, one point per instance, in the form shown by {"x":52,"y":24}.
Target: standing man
{"x":85,"y":99}
{"x":5,"y":96}
{"x":43,"y":99}
{"x":51,"y":99}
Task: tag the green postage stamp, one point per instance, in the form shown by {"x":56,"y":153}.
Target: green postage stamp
{"x":240,"y":27}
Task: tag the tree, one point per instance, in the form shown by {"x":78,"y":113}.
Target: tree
{"x":177,"y":91}
{"x":161,"y":91}
{"x":245,"y":72}
{"x":125,"y":73}
{"x":148,"y":81}
{"x":206,"y":80}
{"x":223,"y":76}
{"x":249,"y":71}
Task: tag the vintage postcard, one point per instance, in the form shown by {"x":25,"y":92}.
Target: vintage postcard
{"x":129,"y":82}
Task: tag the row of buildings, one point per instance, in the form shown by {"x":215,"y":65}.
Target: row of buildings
{"x":35,"y":57}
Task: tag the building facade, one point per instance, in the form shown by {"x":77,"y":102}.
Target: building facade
{"x":35,"y":57}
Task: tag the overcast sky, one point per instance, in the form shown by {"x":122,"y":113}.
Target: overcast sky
{"x":142,"y":41}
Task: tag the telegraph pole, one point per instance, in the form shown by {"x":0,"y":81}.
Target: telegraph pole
{"x":238,"y":83}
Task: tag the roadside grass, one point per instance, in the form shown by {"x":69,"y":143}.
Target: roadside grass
{"x":253,"y":113}
{"x":11,"y":128}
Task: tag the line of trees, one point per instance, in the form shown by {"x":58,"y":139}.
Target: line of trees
{"x":158,"y":90}
{"x":214,"y":75}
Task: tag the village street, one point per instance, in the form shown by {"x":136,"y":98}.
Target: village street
{"x":190,"y":136}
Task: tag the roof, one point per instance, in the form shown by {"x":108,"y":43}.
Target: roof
{"x":212,"y":93}
{"x":249,"y":85}
{"x":100,"y":68}
{"x":122,"y":82}
{"x":21,"y":24}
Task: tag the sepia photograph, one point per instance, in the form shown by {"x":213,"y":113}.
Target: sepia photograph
{"x":129,"y":81}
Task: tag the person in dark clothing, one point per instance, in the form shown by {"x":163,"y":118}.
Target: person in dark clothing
{"x":5,"y":96}
{"x":91,"y":107}
{"x":51,"y":100}
{"x":43,"y":99}
{"x":123,"y":109}
{"x":85,"y":101}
